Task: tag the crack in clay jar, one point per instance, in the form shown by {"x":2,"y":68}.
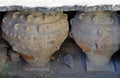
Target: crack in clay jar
{"x":97,"y":33}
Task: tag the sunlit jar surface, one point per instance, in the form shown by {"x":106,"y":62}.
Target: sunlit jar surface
{"x":35,"y":35}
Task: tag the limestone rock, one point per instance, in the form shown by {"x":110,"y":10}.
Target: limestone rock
{"x":63,"y":5}
{"x":13,"y":56}
{"x":3,"y":57}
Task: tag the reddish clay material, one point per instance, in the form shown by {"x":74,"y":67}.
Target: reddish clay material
{"x":35,"y":35}
{"x":98,"y":34}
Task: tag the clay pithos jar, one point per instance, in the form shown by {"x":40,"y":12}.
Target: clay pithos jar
{"x":35,"y":35}
{"x":97,"y":33}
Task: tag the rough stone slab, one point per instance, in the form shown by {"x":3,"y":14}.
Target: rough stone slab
{"x":109,"y":67}
{"x":59,"y":5}
{"x":45,"y":68}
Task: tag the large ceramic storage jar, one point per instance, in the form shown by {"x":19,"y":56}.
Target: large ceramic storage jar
{"x":35,"y":35}
{"x":98,"y":34}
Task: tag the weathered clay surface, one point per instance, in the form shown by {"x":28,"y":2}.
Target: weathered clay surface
{"x":35,"y":35}
{"x":69,"y":47}
{"x":97,"y":33}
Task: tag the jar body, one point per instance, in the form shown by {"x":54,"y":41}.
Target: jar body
{"x":36,"y":35}
{"x":97,"y":33}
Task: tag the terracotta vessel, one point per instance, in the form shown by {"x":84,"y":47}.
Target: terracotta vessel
{"x":97,"y":33}
{"x":35,"y":35}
